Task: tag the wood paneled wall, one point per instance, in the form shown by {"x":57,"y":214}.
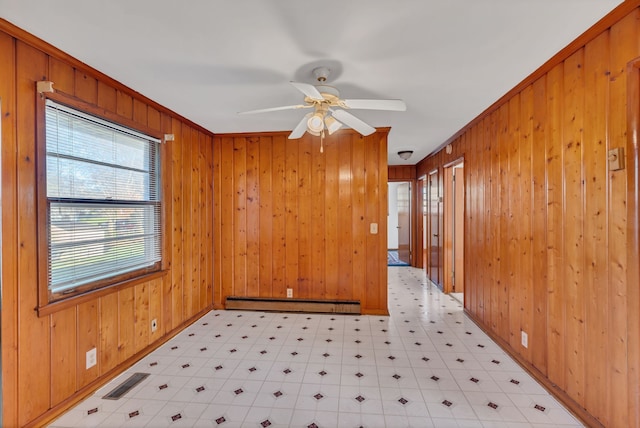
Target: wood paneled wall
{"x":289,"y":216}
{"x":402,"y":172}
{"x":43,"y":357}
{"x":551,"y":242}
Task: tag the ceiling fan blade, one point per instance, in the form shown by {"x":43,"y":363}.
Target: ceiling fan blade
{"x":353,"y":122}
{"x":300,"y":128}
{"x":308,"y":90}
{"x":265,"y":110}
{"x":392,"y":105}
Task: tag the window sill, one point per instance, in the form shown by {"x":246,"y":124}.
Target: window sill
{"x":51,"y":308}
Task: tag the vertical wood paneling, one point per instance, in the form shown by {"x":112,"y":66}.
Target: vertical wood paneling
{"x":332,"y":189}
{"x":481,"y":263}
{"x":265,"y":200}
{"x":109,"y":332}
{"x":240,"y":215}
{"x":538,"y":330}
{"x":51,"y":372}
{"x":87,"y":335}
{"x":371,"y":296}
{"x":470,"y":210}
{"x":63,"y":355}
{"x":126,"y":324}
{"x":307,"y":216}
{"x":139,"y":112}
{"x":358,"y":225}
{"x":504,"y":224}
{"x":512,"y":257}
{"x":227,"y":224}
{"x":141,"y":316}
{"x":34,"y":373}
{"x":487,"y":214}
{"x":204,"y":212}
{"x":573,"y":224}
{"x":494,"y":226}
{"x":379,"y":253}
{"x":62,"y":76}
{"x":596,"y":68}
{"x":188,"y":226}
{"x":9,"y":261}
{"x":124,"y":104}
{"x":633,"y":239}
{"x":155,"y":311}
{"x":557,"y":239}
{"x":279,"y":216}
{"x":166,"y":151}
{"x":523,"y":221}
{"x":177,"y":276}
{"x":196,"y":234}
{"x":208,"y":221}
{"x":86,"y":87}
{"x":217,"y":222}
{"x":291,"y":217}
{"x":345,"y":212}
{"x":107,"y":98}
{"x":253,"y":217}
{"x":624,"y":45}
{"x":318,"y":235}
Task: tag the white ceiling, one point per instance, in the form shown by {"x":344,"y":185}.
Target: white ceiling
{"x":209,"y":59}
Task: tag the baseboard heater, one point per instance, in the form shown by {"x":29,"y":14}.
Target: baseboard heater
{"x":292,"y":305}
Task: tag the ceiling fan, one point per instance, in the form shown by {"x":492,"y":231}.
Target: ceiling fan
{"x":329,"y":110}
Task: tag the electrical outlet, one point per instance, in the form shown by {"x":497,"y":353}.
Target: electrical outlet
{"x":524,"y":339}
{"x":289,"y":293}
{"x":154,"y":325}
{"x":91,"y":358}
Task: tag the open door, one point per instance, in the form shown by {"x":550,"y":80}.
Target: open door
{"x":404,"y":222}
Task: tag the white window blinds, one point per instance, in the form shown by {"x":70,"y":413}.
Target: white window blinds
{"x":103,"y":197}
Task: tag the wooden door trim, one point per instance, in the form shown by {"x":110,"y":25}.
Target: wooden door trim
{"x":633,"y":238}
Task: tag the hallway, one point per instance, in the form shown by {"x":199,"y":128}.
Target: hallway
{"x":427,"y":365}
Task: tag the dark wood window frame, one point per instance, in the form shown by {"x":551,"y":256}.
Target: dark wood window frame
{"x":47,"y":305}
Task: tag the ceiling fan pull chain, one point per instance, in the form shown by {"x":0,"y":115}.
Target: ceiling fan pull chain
{"x":322,"y":141}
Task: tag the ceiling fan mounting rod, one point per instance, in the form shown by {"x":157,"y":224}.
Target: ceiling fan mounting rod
{"x":321,"y":73}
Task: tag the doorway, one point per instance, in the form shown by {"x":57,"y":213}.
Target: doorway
{"x":454,"y":229}
{"x":434,"y":227}
{"x":399,"y":224}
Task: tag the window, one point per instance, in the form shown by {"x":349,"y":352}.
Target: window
{"x":103,"y":202}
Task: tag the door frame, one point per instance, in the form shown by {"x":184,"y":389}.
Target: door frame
{"x":415,"y":256}
{"x":434,"y":267}
{"x":453,"y":226}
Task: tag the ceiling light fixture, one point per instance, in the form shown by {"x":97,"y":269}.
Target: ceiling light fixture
{"x":332,"y":124}
{"x":315,"y":124}
{"x":405,"y":154}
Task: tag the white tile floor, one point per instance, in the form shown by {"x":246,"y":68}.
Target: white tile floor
{"x":427,"y":365}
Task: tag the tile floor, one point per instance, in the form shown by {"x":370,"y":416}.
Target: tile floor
{"x":427,"y":365}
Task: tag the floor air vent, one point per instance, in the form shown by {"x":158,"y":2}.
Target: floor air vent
{"x":126,"y":386}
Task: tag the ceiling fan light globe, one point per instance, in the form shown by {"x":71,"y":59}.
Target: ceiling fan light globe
{"x":315,"y":123}
{"x":332,"y":124}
